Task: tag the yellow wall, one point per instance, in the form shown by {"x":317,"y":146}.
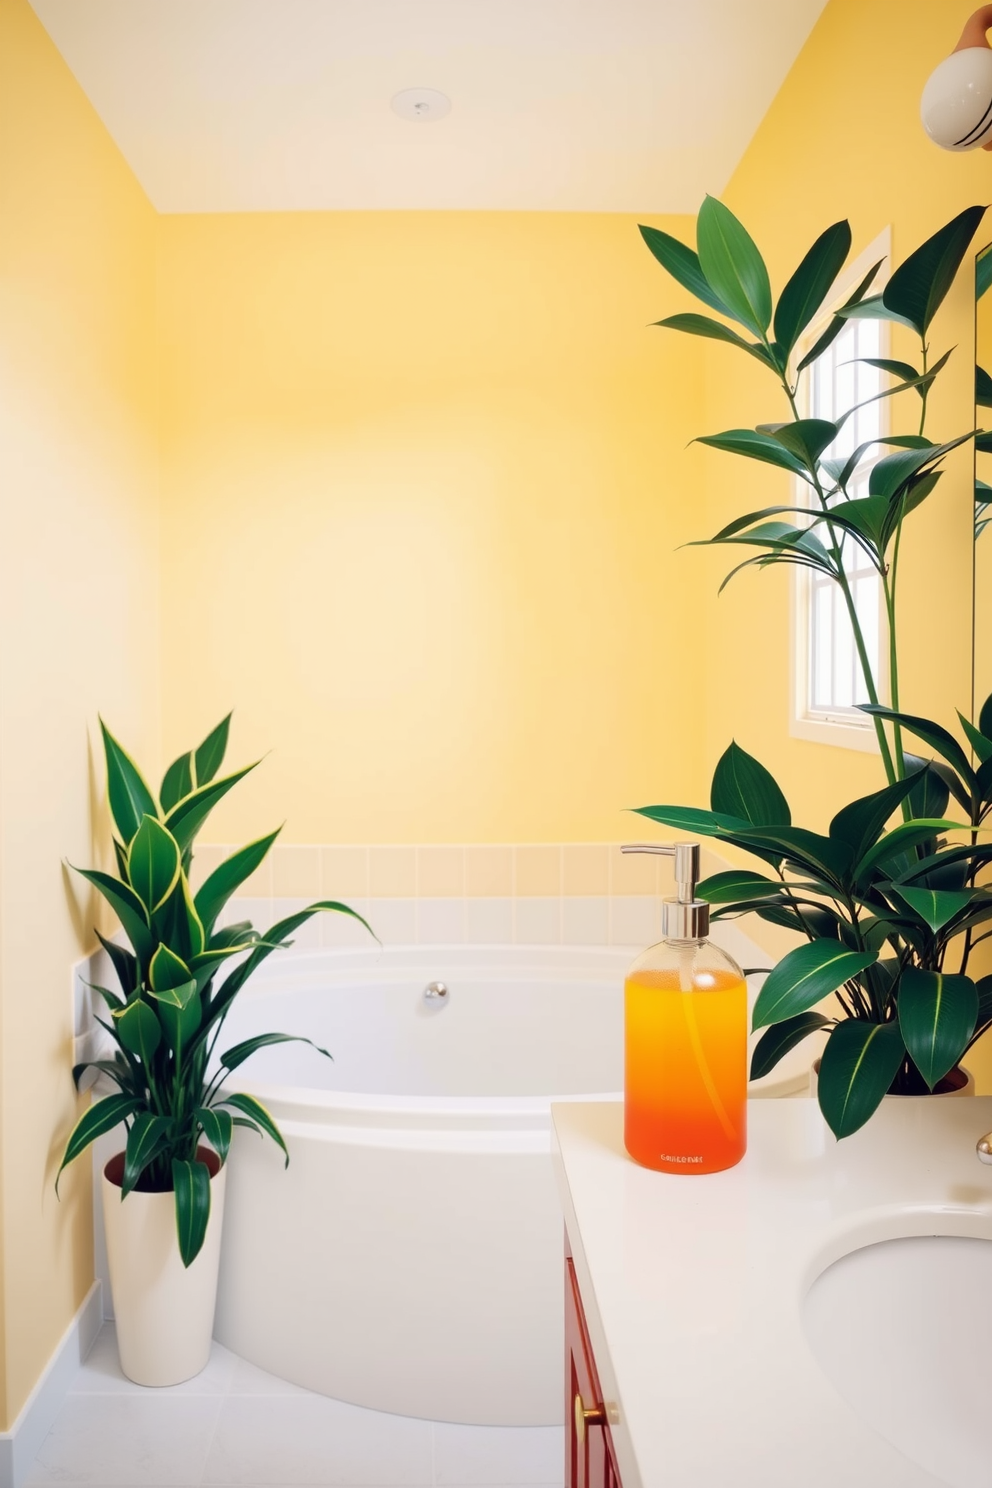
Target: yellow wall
{"x":843,"y":139}
{"x":78,"y":627}
{"x":425,"y":475}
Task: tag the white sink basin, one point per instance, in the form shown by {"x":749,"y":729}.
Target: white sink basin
{"x":903,"y":1331}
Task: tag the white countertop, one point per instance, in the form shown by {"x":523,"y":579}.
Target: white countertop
{"x":692,"y":1285}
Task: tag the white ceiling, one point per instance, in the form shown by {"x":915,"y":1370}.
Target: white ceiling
{"x":559,"y":105}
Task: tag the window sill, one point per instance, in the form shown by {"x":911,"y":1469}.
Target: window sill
{"x":841,"y":734}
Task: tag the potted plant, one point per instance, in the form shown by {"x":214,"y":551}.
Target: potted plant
{"x":179,"y":976}
{"x":885,"y":912}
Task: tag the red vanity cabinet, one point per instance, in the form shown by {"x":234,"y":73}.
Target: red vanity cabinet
{"x":589,"y":1456}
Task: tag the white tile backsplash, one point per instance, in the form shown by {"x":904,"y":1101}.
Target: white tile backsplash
{"x":489,"y":921}
{"x":585,"y":921}
{"x":537,"y":921}
{"x":635,"y":919}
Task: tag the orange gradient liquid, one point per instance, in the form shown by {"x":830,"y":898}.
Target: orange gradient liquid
{"x":685,"y":1088}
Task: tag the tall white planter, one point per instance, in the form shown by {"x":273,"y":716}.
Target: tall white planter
{"x":164,"y":1310}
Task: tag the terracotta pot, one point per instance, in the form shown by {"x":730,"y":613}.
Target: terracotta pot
{"x":164,"y":1310}
{"x":958,"y":1081}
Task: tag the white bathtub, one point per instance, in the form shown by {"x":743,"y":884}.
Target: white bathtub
{"x":410,"y":1259}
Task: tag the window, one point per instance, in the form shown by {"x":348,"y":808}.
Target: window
{"x":828,"y":676}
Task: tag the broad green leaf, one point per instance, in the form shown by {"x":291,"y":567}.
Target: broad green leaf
{"x":816,"y":856}
{"x":127,"y":907}
{"x":810,"y":284}
{"x":117,"y":1069}
{"x":737,"y":884}
{"x":805,"y":976}
{"x":129,"y":796}
{"x":893,"y":472}
{"x":860,"y":824}
{"x":683,"y":264}
{"x":240,"y":1052}
{"x":186,"y":818}
{"x":984,"y":990}
{"x":221,"y":884}
{"x":937,"y":1016}
{"x":153,"y":863}
{"x":257,"y":1114}
{"x":178,"y":924}
{"x":875,"y":308}
{"x":167,"y":970}
{"x":112,"y":1000}
{"x":120,"y":858}
{"x":210,"y":755}
{"x":740,"y":524}
{"x":191,"y":1181}
{"x":977,"y":740}
{"x":217,"y":1128}
{"x":148,"y":1135}
{"x":807,"y":439}
{"x":931,"y":733}
{"x":838,"y":323}
{"x":124,"y":964}
{"x":692,"y":819}
{"x":983,"y":271}
{"x":733,"y":266}
{"x":985,"y":717}
{"x":743,"y":789}
{"x":101,"y":1117}
{"x":715,"y":330}
{"x":755,"y":446}
{"x":983,"y":388}
{"x":181,"y":1021}
{"x":866,"y":515}
{"x":856,"y":1070}
{"x":908,"y":834}
{"x":918,"y":286}
{"x":780,"y":1039}
{"x":138,"y":1030}
{"x":936,"y":907}
{"x":177,"y":782}
{"x":929,"y":794}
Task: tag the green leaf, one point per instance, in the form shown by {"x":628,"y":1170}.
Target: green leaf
{"x":819,"y":857}
{"x":918,"y":286}
{"x":210,"y":755}
{"x":985,"y":717}
{"x":153,"y":863}
{"x":977,"y":740}
{"x":744,"y":790}
{"x":186,"y":819}
{"x":931,"y":733}
{"x":257,"y":1113}
{"x":983,"y":388}
{"x":733,"y":266}
{"x":755,"y":446}
{"x":191,"y":1181}
{"x":168,"y":971}
{"x":810,"y":284}
{"x":860,"y":824}
{"x":929,"y":794}
{"x":737,"y":884}
{"x":181,"y":1020}
{"x":937,"y":1017}
{"x":807,"y":439}
{"x":984,"y":990}
{"x":238,"y":1053}
{"x":936,"y":907}
{"x":120,"y":858}
{"x":805,"y":976}
{"x":148,"y":1135}
{"x":130,"y":798}
{"x":875,"y":308}
{"x":218,"y":1128}
{"x":222,"y":883}
{"x":838,"y":323}
{"x":127,"y":907}
{"x":683,"y":265}
{"x":124,"y":964}
{"x":908,"y":834}
{"x":691,"y":819}
{"x":780,"y":1039}
{"x":101,"y":1117}
{"x":856,"y":1070}
{"x":177,"y":782}
{"x":715,"y":330}
{"x":178,"y":924}
{"x":138,"y":1029}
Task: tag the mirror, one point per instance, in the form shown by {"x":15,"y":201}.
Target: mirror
{"x":982,"y":612}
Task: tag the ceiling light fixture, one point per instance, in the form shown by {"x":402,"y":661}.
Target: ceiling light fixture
{"x":421,"y":105}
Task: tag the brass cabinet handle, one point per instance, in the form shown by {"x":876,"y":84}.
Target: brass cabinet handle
{"x":585,"y":1417}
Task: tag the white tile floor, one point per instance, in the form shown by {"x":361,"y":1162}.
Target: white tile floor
{"x":237,"y":1427}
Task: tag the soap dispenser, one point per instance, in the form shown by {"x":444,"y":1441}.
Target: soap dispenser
{"x":685,"y":1001}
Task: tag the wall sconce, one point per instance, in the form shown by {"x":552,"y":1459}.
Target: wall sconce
{"x":956,"y":107}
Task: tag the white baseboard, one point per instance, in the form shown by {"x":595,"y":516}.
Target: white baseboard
{"x":20,"y":1445}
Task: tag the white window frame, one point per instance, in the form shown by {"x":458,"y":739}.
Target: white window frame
{"x":841,"y":730}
